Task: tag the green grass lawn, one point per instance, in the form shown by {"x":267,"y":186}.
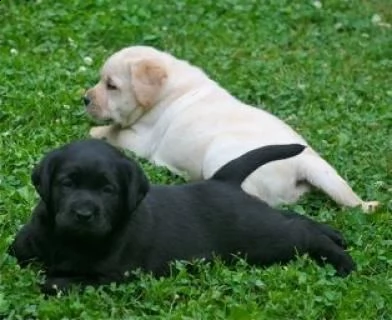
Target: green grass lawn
{"x":326,"y":71}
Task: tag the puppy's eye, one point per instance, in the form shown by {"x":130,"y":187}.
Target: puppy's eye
{"x":66,"y":183}
{"x":108,"y":189}
{"x":111,"y":86}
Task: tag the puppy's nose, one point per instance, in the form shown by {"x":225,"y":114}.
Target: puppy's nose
{"x":86,"y":100}
{"x":84,"y":214}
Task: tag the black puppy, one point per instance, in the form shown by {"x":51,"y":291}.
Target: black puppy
{"x":99,"y":218}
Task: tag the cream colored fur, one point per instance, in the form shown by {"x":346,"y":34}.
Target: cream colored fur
{"x":170,"y":112}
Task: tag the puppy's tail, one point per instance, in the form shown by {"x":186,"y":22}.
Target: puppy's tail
{"x":238,"y":169}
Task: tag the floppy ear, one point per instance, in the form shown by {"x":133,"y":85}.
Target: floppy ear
{"x":148,"y":78}
{"x":137,"y":183}
{"x":43,"y":173}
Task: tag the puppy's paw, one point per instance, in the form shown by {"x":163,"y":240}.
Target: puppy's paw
{"x":345,"y":266}
{"x":100,"y":132}
{"x":324,"y":250}
{"x":369,"y":206}
{"x":49,"y":290}
{"x":53,"y":286}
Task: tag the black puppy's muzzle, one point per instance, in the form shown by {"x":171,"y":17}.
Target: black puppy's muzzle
{"x":84,"y":212}
{"x":86,"y":100}
{"x":83,"y":216}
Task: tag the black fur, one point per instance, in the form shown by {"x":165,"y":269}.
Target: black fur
{"x":98,"y":218}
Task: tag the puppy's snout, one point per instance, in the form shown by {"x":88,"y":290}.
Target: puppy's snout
{"x":86,"y":100}
{"x":84,"y":214}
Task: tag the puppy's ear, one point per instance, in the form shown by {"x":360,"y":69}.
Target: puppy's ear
{"x":43,"y":173}
{"x":136,"y":181}
{"x":148,"y":78}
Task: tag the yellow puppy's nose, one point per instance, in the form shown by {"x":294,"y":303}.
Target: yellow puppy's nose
{"x":86,"y":100}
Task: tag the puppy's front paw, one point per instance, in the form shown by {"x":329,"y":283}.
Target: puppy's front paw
{"x":370,"y":206}
{"x":52,"y":286}
{"x":100,"y":132}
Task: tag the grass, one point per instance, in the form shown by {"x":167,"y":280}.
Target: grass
{"x":326,"y":71}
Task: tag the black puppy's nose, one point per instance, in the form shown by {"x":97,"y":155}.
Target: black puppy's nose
{"x":84,"y":214}
{"x":86,"y":100}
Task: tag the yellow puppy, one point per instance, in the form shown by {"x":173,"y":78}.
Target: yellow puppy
{"x":170,"y":112}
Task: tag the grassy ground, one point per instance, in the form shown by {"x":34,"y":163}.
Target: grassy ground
{"x":327,"y":71}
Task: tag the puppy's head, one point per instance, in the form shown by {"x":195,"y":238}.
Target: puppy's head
{"x":132,"y":81}
{"x":90,"y":188}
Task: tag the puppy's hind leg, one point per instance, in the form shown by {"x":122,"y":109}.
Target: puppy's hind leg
{"x":324,"y":250}
{"x":320,"y":174}
{"x":330,"y":232}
